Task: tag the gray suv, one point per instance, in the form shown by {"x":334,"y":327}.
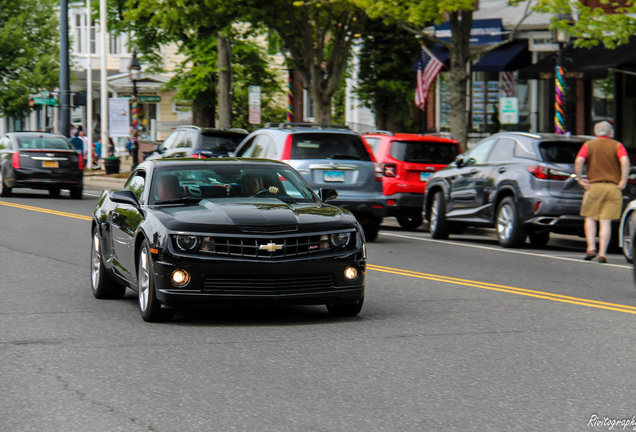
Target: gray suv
{"x":327,"y":156}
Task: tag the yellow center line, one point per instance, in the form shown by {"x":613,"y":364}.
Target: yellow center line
{"x":508,"y":289}
{"x":44,"y":210}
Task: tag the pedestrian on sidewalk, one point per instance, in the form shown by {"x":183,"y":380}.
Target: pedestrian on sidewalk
{"x":607,"y":170}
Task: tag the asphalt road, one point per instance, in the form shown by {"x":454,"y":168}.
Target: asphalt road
{"x":458,"y":335}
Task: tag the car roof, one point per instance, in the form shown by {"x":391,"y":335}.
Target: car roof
{"x":309,"y":127}
{"x":544,"y":136}
{"x":211,"y":129}
{"x":34,"y":134}
{"x":410,"y":136}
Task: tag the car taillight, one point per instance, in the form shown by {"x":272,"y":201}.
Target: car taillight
{"x":545,"y":173}
{"x":80,"y":161}
{"x":378,"y":172}
{"x":286,"y":154}
{"x":389,"y":170}
{"x":15,"y":161}
{"x":198,"y":156}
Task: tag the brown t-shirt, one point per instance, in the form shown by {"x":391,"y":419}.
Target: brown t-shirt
{"x":602,"y":160}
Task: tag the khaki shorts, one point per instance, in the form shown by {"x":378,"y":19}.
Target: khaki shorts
{"x":602,"y":201}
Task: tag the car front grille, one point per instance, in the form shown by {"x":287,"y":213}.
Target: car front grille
{"x":265,"y":285}
{"x":267,"y":248}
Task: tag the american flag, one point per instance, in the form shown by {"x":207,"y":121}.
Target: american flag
{"x":507,"y":83}
{"x":427,"y":69}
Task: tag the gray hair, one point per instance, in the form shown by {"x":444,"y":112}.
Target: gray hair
{"x":603,"y":128}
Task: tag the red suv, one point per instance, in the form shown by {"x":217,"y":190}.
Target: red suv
{"x":407,"y":160}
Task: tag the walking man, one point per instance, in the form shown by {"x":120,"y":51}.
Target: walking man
{"x":607,"y":170}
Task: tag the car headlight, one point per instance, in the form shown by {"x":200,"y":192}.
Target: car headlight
{"x":186,"y":243}
{"x":339,"y":240}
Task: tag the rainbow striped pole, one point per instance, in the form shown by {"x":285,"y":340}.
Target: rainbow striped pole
{"x":559,"y":100}
{"x":290,"y":99}
{"x":135,"y":123}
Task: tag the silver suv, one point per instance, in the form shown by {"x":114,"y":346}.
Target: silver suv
{"x":327,"y":157}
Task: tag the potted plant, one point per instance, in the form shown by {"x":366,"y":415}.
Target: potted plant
{"x":111,"y":165}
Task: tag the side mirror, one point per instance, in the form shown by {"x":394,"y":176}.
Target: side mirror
{"x":459,"y":160}
{"x":124,"y":197}
{"x":327,"y":194}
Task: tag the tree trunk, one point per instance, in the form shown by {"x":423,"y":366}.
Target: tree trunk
{"x":202,"y":114}
{"x":460,"y":55}
{"x":225,"y":82}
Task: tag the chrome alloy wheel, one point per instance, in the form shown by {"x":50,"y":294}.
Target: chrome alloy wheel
{"x":143,"y":279}
{"x":505,"y":222}
{"x":96,"y":260}
{"x":435,"y":212}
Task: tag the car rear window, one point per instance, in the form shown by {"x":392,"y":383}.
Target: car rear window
{"x":328,"y":146}
{"x":224,"y":143}
{"x":48,"y":143}
{"x":424,"y":152}
{"x":559,"y":151}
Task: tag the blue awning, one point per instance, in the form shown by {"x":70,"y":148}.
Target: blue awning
{"x":509,"y":57}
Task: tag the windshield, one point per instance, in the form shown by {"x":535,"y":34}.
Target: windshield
{"x":45,"y":143}
{"x":560,"y":151}
{"x":424,"y":152}
{"x":190,"y":184}
{"x":328,"y":146}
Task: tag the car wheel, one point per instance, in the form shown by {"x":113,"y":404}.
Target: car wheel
{"x":149,"y":306}
{"x":345,"y":310}
{"x":77,"y":193}
{"x":5,"y":191}
{"x":410,"y":222}
{"x":627,"y":235}
{"x":509,"y":231}
{"x":102,"y":285}
{"x":540,"y":238}
{"x":55,"y":192}
{"x":438,"y":225}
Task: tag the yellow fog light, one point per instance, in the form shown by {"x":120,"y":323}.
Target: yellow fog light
{"x":351,"y":273}
{"x":180,"y":278}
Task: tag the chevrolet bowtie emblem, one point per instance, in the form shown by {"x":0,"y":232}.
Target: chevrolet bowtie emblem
{"x":270,"y":247}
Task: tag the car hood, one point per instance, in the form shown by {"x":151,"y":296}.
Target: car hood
{"x":267,"y":215}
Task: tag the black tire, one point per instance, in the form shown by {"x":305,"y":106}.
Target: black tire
{"x":628,"y":235}
{"x":77,"y":193}
{"x":149,"y":307}
{"x":438,"y":225}
{"x":346,"y":310}
{"x":540,"y":238}
{"x":510,"y":233}
{"x":5,"y":191}
{"x":55,"y":192}
{"x":102,"y":285}
{"x":410,"y":222}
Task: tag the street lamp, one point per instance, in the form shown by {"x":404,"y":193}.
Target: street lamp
{"x":134,"y":72}
{"x":562,"y":38}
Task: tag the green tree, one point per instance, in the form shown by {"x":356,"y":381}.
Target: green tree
{"x":198,"y":28}
{"x":386,"y":77}
{"x":29,"y":50}
{"x":318,"y":36}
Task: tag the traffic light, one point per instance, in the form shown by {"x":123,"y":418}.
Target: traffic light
{"x":35,"y":104}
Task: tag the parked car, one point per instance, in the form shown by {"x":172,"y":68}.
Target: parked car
{"x":39,"y":160}
{"x":522,"y":184}
{"x":192,"y":233}
{"x":194,"y":141}
{"x":326,"y":156}
{"x":407,"y":160}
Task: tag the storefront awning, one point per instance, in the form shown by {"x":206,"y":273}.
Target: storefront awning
{"x":509,"y":57}
{"x":585,"y":63}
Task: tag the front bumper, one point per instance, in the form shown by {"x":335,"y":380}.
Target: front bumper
{"x":306,"y":281}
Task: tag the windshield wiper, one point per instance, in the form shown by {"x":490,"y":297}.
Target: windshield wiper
{"x":182,"y":200}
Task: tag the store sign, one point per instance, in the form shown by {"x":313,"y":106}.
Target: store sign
{"x":483,"y":32}
{"x":145,"y":98}
{"x":508,"y":110}
{"x":542,"y":42}
{"x":255,"y":104}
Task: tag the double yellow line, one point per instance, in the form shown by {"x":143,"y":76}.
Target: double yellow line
{"x":507,"y":289}
{"x":43,"y":210}
{"x":419,"y":275}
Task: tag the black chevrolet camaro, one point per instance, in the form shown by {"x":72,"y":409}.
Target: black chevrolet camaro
{"x":199,"y":233}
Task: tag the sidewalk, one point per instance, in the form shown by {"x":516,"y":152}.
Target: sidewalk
{"x":99,"y":180}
